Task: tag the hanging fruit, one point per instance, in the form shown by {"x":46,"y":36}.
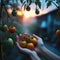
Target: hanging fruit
{"x":14,"y":12}
{"x":58,"y":12}
{"x":12,"y":29}
{"x":8,"y":43}
{"x":58,"y":33}
{"x":5,"y":27}
{"x":28,"y":8}
{"x":37,"y":11}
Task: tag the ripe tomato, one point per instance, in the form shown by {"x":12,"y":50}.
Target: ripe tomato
{"x":34,"y":40}
{"x":28,"y":8}
{"x":23,"y":44}
{"x":30,"y":46}
{"x":58,"y":33}
{"x":12,"y":29}
{"x":37,"y":11}
{"x":26,"y":37}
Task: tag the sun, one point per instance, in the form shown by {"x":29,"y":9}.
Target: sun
{"x":26,"y":14}
{"x":29,"y":14}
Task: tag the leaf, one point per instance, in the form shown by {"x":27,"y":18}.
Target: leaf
{"x":30,"y":1}
{"x":58,"y":1}
{"x":48,"y":4}
{"x":46,"y":0}
{"x":49,"y":0}
{"x":27,"y":1}
{"x":37,"y":2}
{"x":21,"y":1}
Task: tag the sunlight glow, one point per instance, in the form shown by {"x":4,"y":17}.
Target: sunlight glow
{"x":29,"y":14}
{"x":9,"y":11}
{"x":20,"y":13}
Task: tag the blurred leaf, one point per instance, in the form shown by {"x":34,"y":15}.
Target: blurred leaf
{"x":21,"y":1}
{"x":48,"y":4}
{"x":49,"y":0}
{"x":30,"y":1}
{"x":46,"y":0}
{"x":27,"y":1}
{"x":37,"y":2}
{"x":58,"y":1}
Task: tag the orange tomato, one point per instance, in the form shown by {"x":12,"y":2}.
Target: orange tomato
{"x":26,"y":37}
{"x":30,"y":46}
{"x":23,"y":44}
{"x":58,"y":33}
{"x":34,"y":40}
{"x":12,"y":29}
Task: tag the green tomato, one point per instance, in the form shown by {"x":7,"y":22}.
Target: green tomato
{"x":28,"y":8}
{"x":37,"y":11}
{"x":5,"y":27}
{"x":8,"y":43}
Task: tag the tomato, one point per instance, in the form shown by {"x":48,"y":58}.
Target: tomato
{"x":28,"y":8}
{"x":34,"y":40}
{"x":8,"y":42}
{"x":26,"y":37}
{"x":37,"y":11}
{"x":23,"y":44}
{"x":12,"y":29}
{"x":5,"y":27}
{"x":30,"y":46}
{"x":58,"y":33}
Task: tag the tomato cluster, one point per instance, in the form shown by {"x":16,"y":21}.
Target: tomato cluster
{"x":27,"y":41}
{"x":5,"y":28}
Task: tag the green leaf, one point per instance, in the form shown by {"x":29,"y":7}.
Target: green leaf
{"x":46,"y":0}
{"x":21,"y":1}
{"x":58,"y":1}
{"x":27,"y":1}
{"x":48,"y":4}
{"x":30,"y":1}
{"x":49,"y":0}
{"x":37,"y":2}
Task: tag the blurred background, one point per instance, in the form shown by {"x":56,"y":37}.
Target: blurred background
{"x":32,"y":17}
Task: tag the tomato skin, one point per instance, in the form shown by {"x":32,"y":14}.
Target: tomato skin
{"x":23,"y":44}
{"x":4,"y":28}
{"x":28,"y":8}
{"x":30,"y":46}
{"x":37,"y":11}
{"x":34,"y":41}
{"x":12,"y":29}
{"x":58,"y":33}
{"x":26,"y":37}
{"x":9,"y":42}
